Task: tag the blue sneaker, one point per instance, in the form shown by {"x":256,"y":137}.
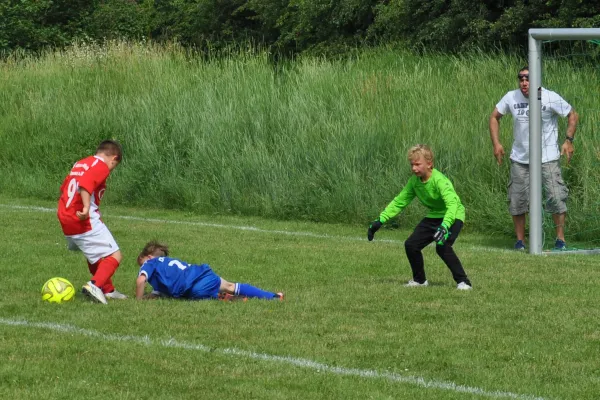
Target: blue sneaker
{"x":520,"y":245}
{"x":560,"y":245}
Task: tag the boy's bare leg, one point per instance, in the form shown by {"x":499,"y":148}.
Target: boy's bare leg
{"x":227,"y":291}
{"x":245,"y":291}
{"x":227,"y":287}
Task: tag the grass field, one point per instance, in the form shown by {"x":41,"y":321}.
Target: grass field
{"x":348,"y":329}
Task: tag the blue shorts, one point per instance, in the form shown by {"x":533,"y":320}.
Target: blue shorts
{"x":205,"y":288}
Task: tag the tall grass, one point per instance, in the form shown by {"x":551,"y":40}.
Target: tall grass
{"x":314,"y":139}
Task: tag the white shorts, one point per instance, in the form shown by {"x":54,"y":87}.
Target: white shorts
{"x":94,"y":244}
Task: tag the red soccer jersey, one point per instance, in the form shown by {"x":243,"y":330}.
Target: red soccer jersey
{"x":89,"y":174}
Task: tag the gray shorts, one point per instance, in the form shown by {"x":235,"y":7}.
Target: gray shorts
{"x":555,"y":190}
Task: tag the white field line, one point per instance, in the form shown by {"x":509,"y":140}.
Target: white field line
{"x":298,"y":362}
{"x":246,"y":228}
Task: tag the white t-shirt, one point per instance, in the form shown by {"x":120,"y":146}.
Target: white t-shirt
{"x":518,"y":105}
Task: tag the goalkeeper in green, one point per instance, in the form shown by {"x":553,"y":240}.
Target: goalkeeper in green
{"x":441,"y":225}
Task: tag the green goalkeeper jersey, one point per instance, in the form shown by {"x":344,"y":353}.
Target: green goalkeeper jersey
{"x":437,"y":194}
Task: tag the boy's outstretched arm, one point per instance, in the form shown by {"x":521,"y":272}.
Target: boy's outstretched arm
{"x":140,"y":285}
{"x":399,"y":203}
{"x":394,"y":208}
{"x":452,"y":202}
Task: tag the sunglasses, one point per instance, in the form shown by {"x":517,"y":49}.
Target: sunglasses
{"x":523,"y":76}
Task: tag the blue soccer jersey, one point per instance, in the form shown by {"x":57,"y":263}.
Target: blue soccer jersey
{"x":176,"y":278}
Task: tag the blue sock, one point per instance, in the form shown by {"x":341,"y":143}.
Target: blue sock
{"x":243,"y":289}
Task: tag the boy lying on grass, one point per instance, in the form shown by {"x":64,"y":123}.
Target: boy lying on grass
{"x":172,"y":277}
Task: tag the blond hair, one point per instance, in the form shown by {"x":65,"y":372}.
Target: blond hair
{"x":420,"y":150}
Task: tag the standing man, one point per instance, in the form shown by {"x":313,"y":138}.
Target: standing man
{"x":517,"y":103}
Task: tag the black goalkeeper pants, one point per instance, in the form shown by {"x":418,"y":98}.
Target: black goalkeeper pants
{"x":423,"y":236}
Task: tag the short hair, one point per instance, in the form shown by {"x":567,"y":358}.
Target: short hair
{"x":420,"y":150}
{"x":154,"y":248}
{"x":525,"y":68}
{"x":110,"y":148}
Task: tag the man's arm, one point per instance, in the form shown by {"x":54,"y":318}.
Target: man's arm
{"x":140,"y":285}
{"x":567,"y":147}
{"x":573,"y":119}
{"x":495,"y":135}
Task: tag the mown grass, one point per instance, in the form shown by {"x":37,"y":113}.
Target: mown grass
{"x":529,"y":328}
{"x":309,"y":139}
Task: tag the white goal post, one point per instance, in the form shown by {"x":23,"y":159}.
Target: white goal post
{"x":535,"y":121}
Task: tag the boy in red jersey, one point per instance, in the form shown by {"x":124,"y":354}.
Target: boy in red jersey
{"x":79,"y":216}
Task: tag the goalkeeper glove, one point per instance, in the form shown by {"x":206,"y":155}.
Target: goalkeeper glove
{"x":441,"y":235}
{"x":373,"y":227}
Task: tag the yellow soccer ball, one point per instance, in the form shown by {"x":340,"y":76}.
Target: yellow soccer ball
{"x":58,"y":290}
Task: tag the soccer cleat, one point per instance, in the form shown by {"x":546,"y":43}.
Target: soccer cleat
{"x":279,"y":296}
{"x":116,"y":295}
{"x":464,"y":286}
{"x":225,"y":296}
{"x":412,"y":283}
{"x":230,"y":297}
{"x":94,"y":292}
{"x":520,"y":246}
{"x":560,"y":245}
